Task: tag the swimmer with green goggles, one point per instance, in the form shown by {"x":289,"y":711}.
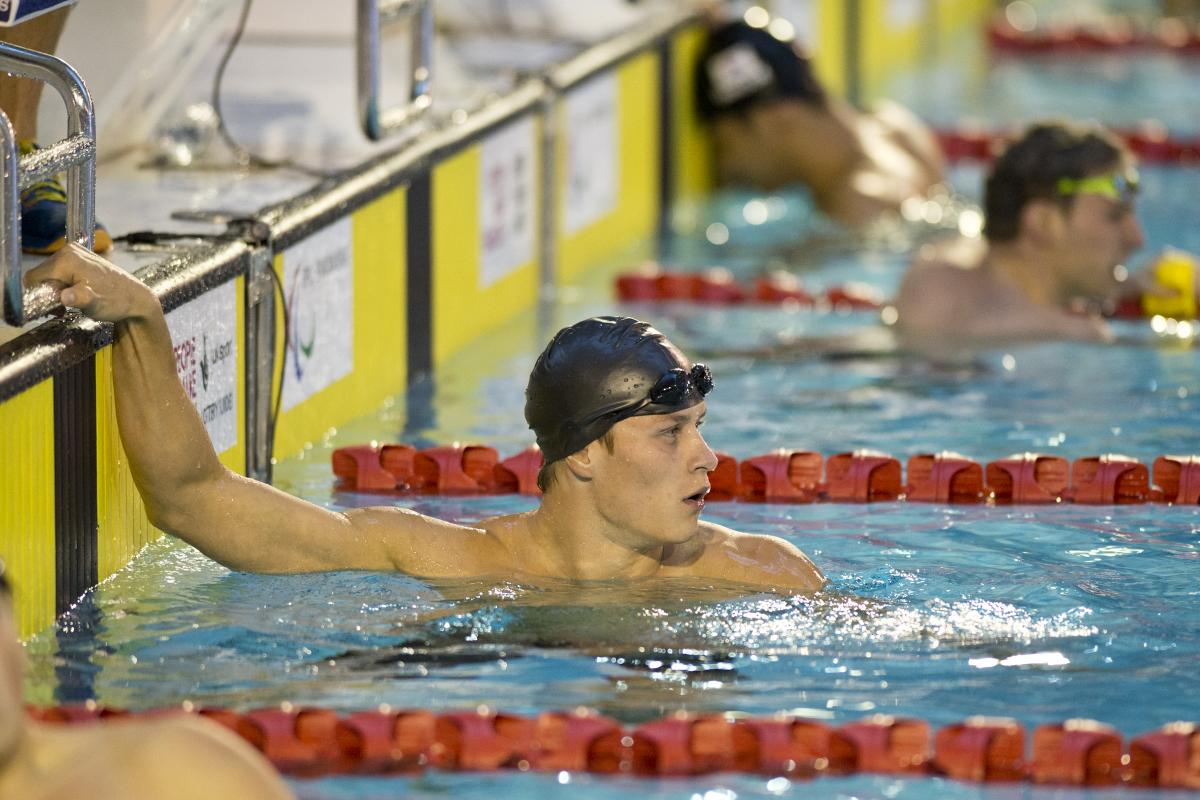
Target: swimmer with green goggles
{"x":1120,"y":187}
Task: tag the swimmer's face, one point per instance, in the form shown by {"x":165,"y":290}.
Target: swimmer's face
{"x":652,"y":485}
{"x":1099,"y":234}
{"x":12,"y":663}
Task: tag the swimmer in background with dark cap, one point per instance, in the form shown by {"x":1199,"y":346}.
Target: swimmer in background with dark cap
{"x":775,"y":125}
{"x":616,"y":408}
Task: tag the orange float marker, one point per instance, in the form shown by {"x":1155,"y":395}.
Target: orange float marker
{"x":455,"y":469}
{"x":579,"y":741}
{"x":981,"y":749}
{"x":1109,"y":479}
{"x":789,"y":746}
{"x":1179,"y":479}
{"x":1168,"y":757}
{"x":789,"y":476}
{"x":723,"y":481}
{"x":482,"y":740}
{"x":359,"y":469}
{"x":518,"y":474}
{"x":675,"y":286}
{"x":1076,"y":752}
{"x":400,"y":460}
{"x":367,"y":745}
{"x":636,"y":286}
{"x":862,"y":476}
{"x":880,"y":744}
{"x":944,"y":477}
{"x":853,"y":297}
{"x":1028,"y":478}
{"x":686,"y":745}
{"x":275,"y":733}
{"x":781,"y":287}
{"x":717,"y":286}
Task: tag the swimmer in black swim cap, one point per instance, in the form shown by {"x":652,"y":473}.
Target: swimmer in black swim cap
{"x":598,"y":372}
{"x":616,"y":407}
{"x":774,"y":125}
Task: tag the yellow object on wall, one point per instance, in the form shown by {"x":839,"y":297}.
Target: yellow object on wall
{"x":27,"y":509}
{"x":829,"y":52}
{"x":492,"y":178}
{"x":692,"y":144}
{"x":635,"y":215}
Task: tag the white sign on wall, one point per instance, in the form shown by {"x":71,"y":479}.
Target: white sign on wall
{"x":593,"y":153}
{"x":204,"y":338}
{"x":507,"y":201}
{"x":318,"y":285}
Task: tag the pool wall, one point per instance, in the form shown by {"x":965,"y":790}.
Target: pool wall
{"x":388,"y":269}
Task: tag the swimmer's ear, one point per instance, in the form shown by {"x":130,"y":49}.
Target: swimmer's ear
{"x":1042,"y":220}
{"x":580,"y":463}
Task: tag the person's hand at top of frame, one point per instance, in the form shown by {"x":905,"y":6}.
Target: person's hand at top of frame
{"x":95,"y":286}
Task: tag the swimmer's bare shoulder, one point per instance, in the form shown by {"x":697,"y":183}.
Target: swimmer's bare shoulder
{"x":178,"y":757}
{"x":943,"y":287}
{"x":766,"y":561}
{"x":428,"y":547}
{"x":185,"y":758}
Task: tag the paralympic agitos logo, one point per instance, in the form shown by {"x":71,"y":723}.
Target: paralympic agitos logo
{"x":302,"y":322}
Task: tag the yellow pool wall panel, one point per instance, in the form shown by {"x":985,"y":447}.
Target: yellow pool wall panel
{"x":465,"y":306}
{"x":889,"y":41}
{"x":378,"y":241}
{"x":829,"y":53}
{"x":635,"y":214}
{"x":692,"y":143}
{"x":27,"y":511}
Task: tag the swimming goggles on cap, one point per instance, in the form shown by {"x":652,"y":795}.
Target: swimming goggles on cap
{"x":675,"y":384}
{"x":1121,"y":187}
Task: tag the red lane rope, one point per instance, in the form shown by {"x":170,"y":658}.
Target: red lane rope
{"x":803,"y":476}
{"x":717,"y":286}
{"x":1149,"y":141}
{"x":1172,"y":36}
{"x":315,"y":741}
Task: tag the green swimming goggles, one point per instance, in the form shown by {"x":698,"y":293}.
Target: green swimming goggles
{"x":1121,"y":187}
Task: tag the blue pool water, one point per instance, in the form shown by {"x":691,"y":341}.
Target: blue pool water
{"x":937,"y":611}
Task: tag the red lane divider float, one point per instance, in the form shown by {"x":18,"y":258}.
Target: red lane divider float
{"x":1174,"y":36}
{"x":1149,"y":141}
{"x":717,"y":286}
{"x":804,"y":476}
{"x":309,"y":742}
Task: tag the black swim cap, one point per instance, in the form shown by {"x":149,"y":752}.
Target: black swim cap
{"x":741,"y":66}
{"x":600,"y":371}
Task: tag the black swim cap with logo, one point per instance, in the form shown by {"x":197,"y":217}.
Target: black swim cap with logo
{"x":741,"y":66}
{"x":600,"y":371}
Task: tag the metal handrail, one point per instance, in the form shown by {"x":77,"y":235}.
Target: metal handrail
{"x":76,"y":154}
{"x":379,"y":123}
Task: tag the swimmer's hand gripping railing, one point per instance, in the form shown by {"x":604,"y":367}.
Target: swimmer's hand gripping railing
{"x":76,"y":154}
{"x":373,"y":15}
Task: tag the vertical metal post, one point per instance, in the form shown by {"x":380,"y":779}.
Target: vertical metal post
{"x":76,"y":154}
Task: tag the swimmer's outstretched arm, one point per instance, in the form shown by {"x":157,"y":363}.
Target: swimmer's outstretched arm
{"x":244,"y":524}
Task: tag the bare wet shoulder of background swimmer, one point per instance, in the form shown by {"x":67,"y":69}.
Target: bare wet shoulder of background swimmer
{"x":774,"y":125}
{"x":1059,"y":226}
{"x":168,"y":758}
{"x":621,"y":506}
